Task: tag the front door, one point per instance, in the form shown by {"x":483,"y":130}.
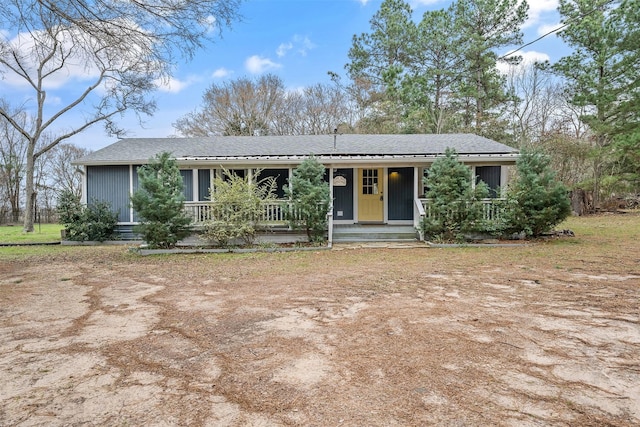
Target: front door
{"x":370,"y":195}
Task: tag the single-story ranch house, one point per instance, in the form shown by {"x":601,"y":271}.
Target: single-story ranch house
{"x":375,"y":180}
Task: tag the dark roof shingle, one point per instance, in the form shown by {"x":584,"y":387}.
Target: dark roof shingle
{"x":140,"y":150}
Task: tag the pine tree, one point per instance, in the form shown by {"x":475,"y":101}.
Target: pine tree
{"x":309,"y":195}
{"x":602,"y":78}
{"x":159,"y":203}
{"x":536,"y":200}
{"x":455,"y":206}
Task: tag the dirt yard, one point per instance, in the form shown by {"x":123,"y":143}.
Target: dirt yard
{"x":545,"y":334}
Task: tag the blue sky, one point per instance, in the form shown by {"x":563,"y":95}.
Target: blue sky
{"x":298,"y":40}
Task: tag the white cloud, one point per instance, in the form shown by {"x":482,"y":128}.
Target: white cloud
{"x":528,"y":58}
{"x":417,"y":3}
{"x":283,"y":49}
{"x":298,"y":44}
{"x":258,"y":65}
{"x":303,"y":44}
{"x":548,"y":28}
{"x":73,"y":69}
{"x":538,"y":8}
{"x":210,"y":24}
{"x":170,"y":85}
{"x":53,"y":100}
{"x":221,"y":73}
{"x":175,"y":85}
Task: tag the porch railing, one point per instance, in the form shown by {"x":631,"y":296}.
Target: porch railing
{"x":273,"y":213}
{"x":491,"y":208}
{"x":418,"y":215}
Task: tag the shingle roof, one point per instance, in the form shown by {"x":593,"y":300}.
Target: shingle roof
{"x":140,"y":150}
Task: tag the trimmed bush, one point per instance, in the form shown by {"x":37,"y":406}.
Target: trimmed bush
{"x":95,"y":222}
{"x":160,"y":203}
{"x":455,"y":206}
{"x":536,"y":200}
{"x":310,"y":199}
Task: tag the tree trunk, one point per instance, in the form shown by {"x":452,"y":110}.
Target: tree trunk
{"x":29,"y":190}
{"x":581,"y":202}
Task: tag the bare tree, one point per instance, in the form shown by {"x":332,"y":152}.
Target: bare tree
{"x":125,"y":49}
{"x":264,"y":107}
{"x":325,"y":106}
{"x":44,"y":190}
{"x":238,"y":107}
{"x":63,"y":175}
{"x":12,"y":159}
{"x":536,"y":103}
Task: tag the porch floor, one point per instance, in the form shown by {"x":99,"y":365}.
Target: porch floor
{"x":373,"y":233}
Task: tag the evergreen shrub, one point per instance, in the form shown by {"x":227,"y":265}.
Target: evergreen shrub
{"x":95,"y":222}
{"x":536,"y":200}
{"x":310,"y":199}
{"x":159,"y":202}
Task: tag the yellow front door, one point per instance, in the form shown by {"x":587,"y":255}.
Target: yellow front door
{"x":370,"y":195}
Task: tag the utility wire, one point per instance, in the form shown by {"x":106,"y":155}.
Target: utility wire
{"x":563,"y":26}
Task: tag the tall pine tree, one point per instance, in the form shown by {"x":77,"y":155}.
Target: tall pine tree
{"x":483,"y":27}
{"x":602,"y":77}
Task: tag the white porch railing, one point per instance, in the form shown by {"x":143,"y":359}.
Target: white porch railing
{"x":272,"y":214}
{"x":491,"y":208}
{"x":418,"y":215}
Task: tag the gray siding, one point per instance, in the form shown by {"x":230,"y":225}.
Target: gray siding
{"x":136,"y":185}
{"x":110,"y":184}
{"x":400,"y":194}
{"x":343,"y":196}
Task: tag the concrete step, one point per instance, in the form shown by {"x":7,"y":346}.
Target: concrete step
{"x":370,"y":233}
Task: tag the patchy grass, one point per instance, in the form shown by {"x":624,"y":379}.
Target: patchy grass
{"x":596,"y":237}
{"x":540,"y":334}
{"x":44,"y":233}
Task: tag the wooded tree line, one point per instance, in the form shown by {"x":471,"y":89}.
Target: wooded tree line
{"x":437,"y":74}
{"x":442,"y":75}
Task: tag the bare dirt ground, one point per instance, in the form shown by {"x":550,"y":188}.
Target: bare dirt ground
{"x":546,"y":334}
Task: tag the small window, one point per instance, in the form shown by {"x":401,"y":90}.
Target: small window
{"x":490,"y":175}
{"x":370,"y":181}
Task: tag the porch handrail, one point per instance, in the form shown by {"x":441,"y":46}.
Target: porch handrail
{"x":273,"y":213}
{"x":418,"y":217}
{"x":491,"y":208}
{"x":330,"y":226}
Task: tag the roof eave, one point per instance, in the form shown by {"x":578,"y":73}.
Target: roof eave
{"x":331,"y":158}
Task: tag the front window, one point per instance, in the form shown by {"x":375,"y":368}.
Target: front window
{"x":370,"y":181}
{"x":490,"y":175}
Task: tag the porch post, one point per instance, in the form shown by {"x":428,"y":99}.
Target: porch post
{"x":504,"y":177}
{"x":196,"y":190}
{"x":131,"y":172}
{"x":473,"y":176}
{"x":85,"y":186}
{"x":330,"y":213}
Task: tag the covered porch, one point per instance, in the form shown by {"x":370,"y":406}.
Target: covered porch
{"x":273,"y":217}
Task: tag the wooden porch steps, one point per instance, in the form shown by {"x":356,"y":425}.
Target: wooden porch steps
{"x":374,"y":233}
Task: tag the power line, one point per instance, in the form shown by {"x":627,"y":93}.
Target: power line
{"x":566,"y":24}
